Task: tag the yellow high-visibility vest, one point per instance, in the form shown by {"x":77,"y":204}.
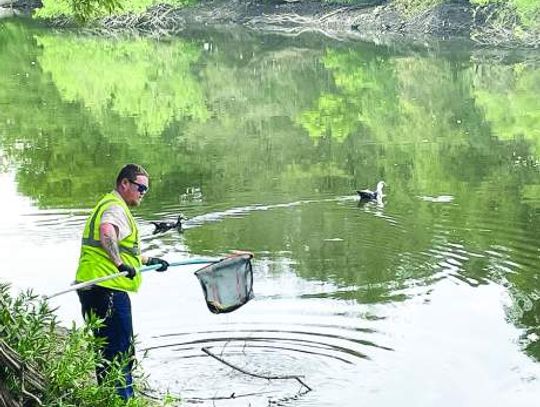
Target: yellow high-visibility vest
{"x":94,"y":262}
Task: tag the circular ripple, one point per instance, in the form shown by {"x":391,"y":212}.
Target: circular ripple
{"x":317,"y":354}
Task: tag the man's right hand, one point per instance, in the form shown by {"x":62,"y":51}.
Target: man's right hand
{"x":131,"y":272}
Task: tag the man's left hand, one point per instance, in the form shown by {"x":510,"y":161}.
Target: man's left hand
{"x":152,"y":261}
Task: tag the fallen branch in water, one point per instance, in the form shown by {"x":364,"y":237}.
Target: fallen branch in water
{"x":260,"y":376}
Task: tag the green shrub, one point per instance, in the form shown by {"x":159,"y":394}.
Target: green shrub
{"x":64,"y":359}
{"x":87,"y":10}
{"x":529,"y":11}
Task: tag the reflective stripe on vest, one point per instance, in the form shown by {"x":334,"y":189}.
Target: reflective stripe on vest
{"x":92,"y":241}
{"x":96,"y":243}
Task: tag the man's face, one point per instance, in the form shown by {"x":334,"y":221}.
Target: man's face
{"x":133,"y":191}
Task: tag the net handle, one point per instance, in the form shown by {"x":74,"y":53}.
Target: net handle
{"x":124,"y":273}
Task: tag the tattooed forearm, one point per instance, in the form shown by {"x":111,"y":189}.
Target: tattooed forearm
{"x":109,"y":241}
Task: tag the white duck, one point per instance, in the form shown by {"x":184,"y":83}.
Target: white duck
{"x":366,"y":194}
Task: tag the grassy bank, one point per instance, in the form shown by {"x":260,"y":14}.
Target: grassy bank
{"x":44,"y":364}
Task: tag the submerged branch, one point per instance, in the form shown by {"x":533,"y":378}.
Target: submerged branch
{"x":257,"y":375}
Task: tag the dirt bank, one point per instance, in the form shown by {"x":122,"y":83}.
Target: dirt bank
{"x":292,"y":17}
{"x":370,"y":22}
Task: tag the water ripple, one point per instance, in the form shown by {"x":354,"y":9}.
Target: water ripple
{"x":262,"y":349}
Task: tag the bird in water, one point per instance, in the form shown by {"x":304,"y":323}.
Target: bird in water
{"x":161,"y":227}
{"x":366,"y":194}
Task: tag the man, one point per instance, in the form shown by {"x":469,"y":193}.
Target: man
{"x":111,"y":244}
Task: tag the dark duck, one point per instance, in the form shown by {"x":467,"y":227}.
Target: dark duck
{"x":368,"y":195}
{"x":162,"y":227}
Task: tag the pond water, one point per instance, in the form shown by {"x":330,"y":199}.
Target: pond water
{"x":428,"y":298}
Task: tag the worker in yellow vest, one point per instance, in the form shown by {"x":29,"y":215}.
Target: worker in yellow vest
{"x":111,"y":243}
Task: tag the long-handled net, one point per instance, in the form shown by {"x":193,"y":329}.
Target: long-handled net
{"x":227,"y":284}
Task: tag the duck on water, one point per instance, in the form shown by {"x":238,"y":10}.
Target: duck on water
{"x":162,"y":227}
{"x":368,"y":195}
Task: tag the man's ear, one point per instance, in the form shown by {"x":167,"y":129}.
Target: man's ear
{"x":124,"y":183}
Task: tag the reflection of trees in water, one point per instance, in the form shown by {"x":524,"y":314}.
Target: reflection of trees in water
{"x":147,"y":81}
{"x":507,"y":95}
{"x":51,"y":168}
{"x":243,"y":120}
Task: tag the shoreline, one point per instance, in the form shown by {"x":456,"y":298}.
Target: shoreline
{"x":381,"y":23}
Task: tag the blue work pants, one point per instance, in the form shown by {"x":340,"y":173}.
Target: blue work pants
{"x":114,"y":307}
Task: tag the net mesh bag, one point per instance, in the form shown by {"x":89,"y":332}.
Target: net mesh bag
{"x":227,"y":284}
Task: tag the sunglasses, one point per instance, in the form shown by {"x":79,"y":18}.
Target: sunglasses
{"x":140,"y":187}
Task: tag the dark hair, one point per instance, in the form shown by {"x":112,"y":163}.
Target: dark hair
{"x":130,"y":171}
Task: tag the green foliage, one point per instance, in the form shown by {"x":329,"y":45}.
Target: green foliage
{"x":84,"y":10}
{"x":87,"y":10}
{"x":529,"y":11}
{"x":66,"y":358}
{"x":90,"y":9}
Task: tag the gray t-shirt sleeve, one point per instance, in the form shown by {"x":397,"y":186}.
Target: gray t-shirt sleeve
{"x":116,"y":216}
